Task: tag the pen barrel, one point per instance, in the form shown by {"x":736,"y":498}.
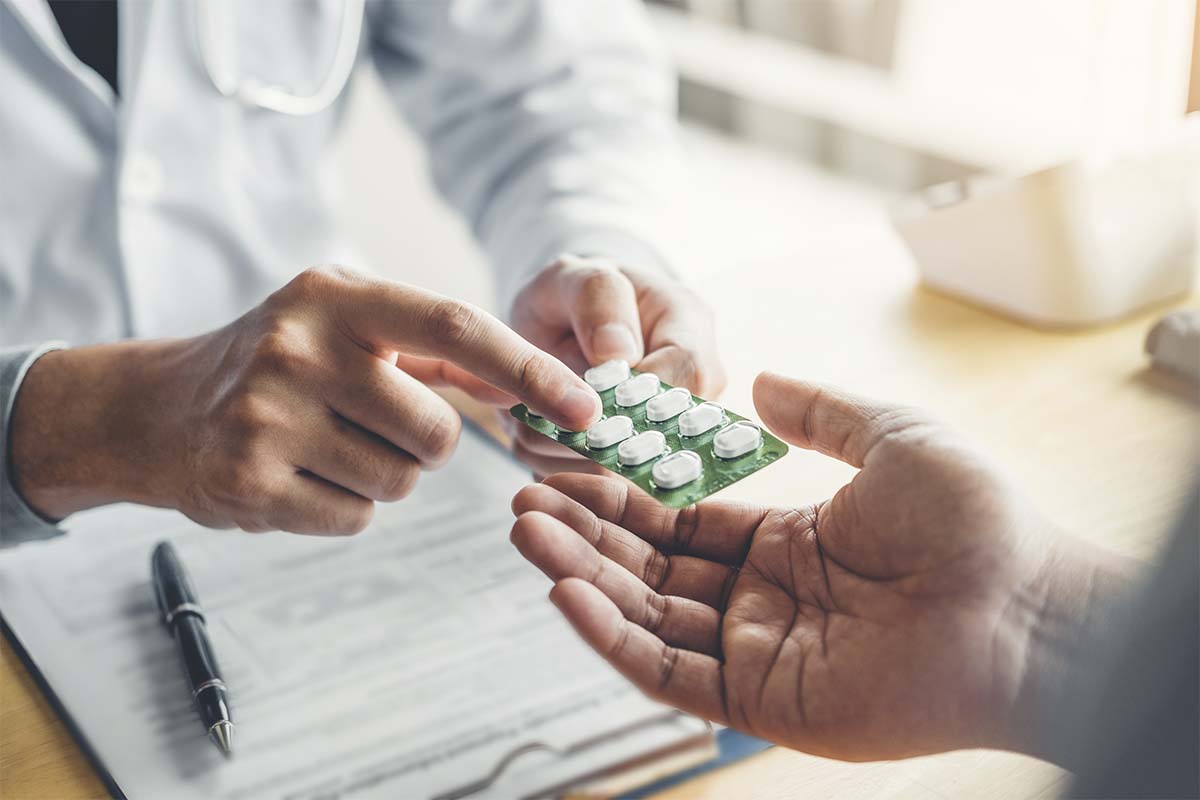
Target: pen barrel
{"x":172,"y":589}
{"x":213,"y":706}
{"x":200,"y":664}
{"x":199,"y":661}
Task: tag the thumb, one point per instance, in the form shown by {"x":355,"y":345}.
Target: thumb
{"x":603,"y":308}
{"x":825,"y":419}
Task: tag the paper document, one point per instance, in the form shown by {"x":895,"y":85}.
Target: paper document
{"x":420,"y":658}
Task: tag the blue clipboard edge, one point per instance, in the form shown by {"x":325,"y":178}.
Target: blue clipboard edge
{"x":60,"y":710}
{"x":732,"y":746}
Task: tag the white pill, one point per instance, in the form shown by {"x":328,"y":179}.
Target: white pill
{"x":670,"y":403}
{"x":676,"y":469}
{"x":607,"y":375}
{"x":638,"y":389}
{"x":701,"y":419}
{"x":737,"y":439}
{"x":609,"y":431}
{"x":641,"y":448}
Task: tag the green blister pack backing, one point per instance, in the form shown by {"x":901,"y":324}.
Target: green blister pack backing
{"x":716,"y":472}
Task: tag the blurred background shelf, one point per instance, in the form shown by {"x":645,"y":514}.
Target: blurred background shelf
{"x":913,"y":92}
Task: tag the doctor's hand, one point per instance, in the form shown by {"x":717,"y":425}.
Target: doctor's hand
{"x":297,"y":416}
{"x":586,"y":311}
{"x":925,"y":607}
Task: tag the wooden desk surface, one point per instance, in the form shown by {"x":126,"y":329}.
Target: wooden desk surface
{"x":823,"y":290}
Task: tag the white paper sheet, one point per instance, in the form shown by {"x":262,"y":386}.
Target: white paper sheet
{"x":408,"y":661}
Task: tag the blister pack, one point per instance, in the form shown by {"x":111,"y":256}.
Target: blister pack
{"x":677,"y":447}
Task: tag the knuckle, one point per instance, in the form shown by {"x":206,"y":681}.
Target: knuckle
{"x":683,"y":366}
{"x":687,"y":522}
{"x":670,"y":657}
{"x":530,"y":369}
{"x":451,"y":322}
{"x":247,"y":415}
{"x":898,"y":425}
{"x":601,"y":279}
{"x":344,"y":517}
{"x":571,"y":262}
{"x":310,"y":286}
{"x":655,"y":612}
{"x":562,"y":263}
{"x":356,"y":518}
{"x":304,"y":286}
{"x":438,"y":436}
{"x":315,"y":280}
{"x":400,"y":483}
{"x":537,"y":283}
{"x":892,"y":433}
{"x":620,"y":646}
{"x":689,"y":367}
{"x":243,"y":480}
{"x":278,"y":351}
{"x":658,"y":565}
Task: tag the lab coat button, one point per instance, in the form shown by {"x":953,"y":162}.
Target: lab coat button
{"x":143,"y":177}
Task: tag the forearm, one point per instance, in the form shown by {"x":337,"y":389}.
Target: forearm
{"x":84,"y":433}
{"x":1080,"y":601}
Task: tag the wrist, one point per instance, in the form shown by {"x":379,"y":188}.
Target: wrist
{"x":87,"y":428}
{"x":1062,"y":620}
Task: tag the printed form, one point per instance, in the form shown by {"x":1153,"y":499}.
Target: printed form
{"x":420,"y":658}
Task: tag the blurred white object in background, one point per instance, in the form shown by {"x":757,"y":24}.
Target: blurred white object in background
{"x":1174,"y":343}
{"x":911,"y":92}
{"x":1077,"y":244}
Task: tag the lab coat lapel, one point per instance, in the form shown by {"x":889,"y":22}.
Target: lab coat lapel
{"x":41,"y":25}
{"x":134,"y":22}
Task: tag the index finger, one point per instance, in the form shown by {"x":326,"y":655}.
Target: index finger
{"x":424,"y":323}
{"x":713,"y":530}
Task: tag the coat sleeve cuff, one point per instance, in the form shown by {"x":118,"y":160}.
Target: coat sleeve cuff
{"x":18,"y":522}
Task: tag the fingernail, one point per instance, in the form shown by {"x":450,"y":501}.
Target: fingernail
{"x":614,"y":340}
{"x":581,"y":404}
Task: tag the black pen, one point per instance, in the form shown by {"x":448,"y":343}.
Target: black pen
{"x":183,"y":616}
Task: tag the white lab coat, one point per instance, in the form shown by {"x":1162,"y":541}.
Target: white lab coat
{"x":173,"y":209}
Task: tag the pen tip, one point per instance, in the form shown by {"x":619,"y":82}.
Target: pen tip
{"x":222,"y":735}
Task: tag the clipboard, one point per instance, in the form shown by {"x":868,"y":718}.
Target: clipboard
{"x":657,"y":769}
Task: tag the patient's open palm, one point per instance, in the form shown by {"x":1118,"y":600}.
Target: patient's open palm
{"x":885,"y":622}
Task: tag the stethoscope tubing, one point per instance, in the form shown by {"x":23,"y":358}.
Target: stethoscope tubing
{"x":257,"y":94}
